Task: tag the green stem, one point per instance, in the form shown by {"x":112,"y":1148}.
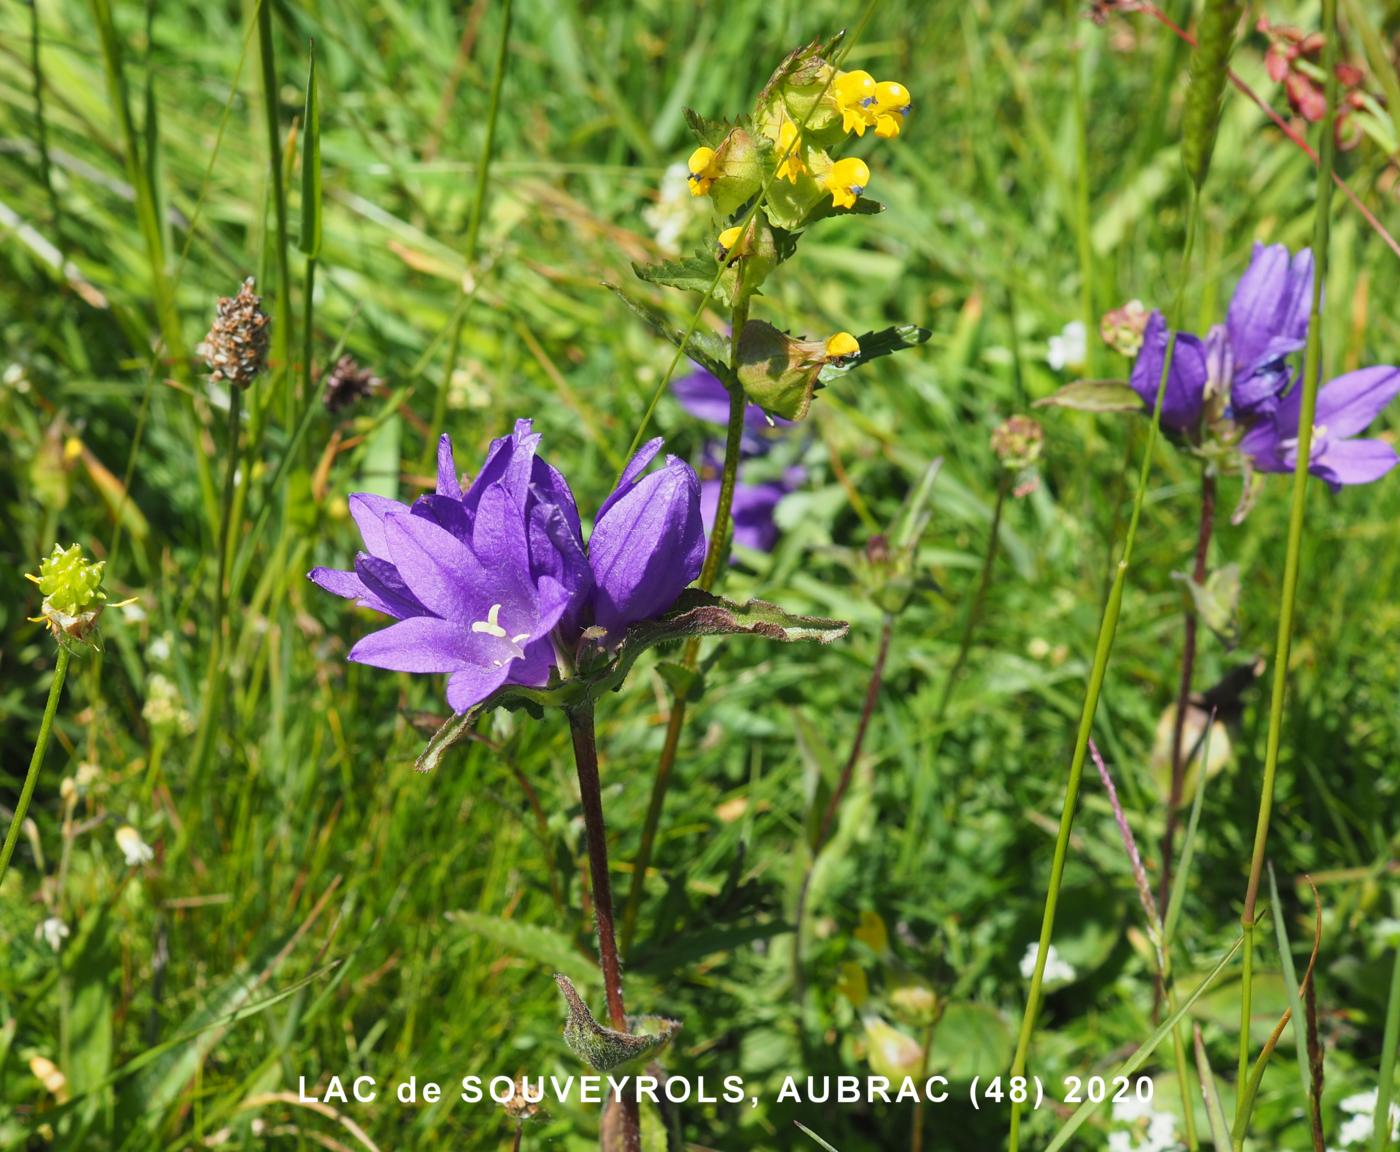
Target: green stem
{"x":214,"y":686}
{"x":709,"y":573}
{"x":1083,"y":233}
{"x":469,"y":252}
{"x":36,"y":761}
{"x":1108,"y":629}
{"x":1283,"y":644}
{"x":282,"y":329}
{"x":978,"y":602}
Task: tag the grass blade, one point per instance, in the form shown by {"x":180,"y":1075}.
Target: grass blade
{"x":1219,"y":1127}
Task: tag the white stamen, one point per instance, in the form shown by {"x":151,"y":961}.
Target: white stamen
{"x":491,"y":625}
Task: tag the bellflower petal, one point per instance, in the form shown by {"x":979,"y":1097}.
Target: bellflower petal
{"x":635,"y":467}
{"x":1268,"y":315}
{"x":368,"y":512}
{"x":346,"y":585}
{"x":386,"y":586}
{"x":438,"y":568}
{"x":421,"y":644}
{"x":468,"y":687}
{"x":1354,"y":462}
{"x":447,"y":481}
{"x":1348,"y":404}
{"x":647,"y":545}
{"x":1184,"y":398}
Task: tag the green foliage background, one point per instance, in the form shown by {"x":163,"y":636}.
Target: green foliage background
{"x":387,"y":924}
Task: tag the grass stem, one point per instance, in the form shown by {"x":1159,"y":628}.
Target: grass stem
{"x":36,"y":761}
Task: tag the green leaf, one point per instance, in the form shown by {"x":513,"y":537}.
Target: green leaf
{"x":695,"y":273}
{"x":708,"y":349}
{"x":1217,"y":601}
{"x":696,"y":613}
{"x":547,"y":947}
{"x":864,"y":206}
{"x":971,"y":1040}
{"x":91,"y":968}
{"x":1215,"y":1113}
{"x":310,"y":242}
{"x":710,"y":133}
{"x":1094,"y":396}
{"x":814,"y":1136}
{"x":605,"y":1049}
{"x":685,"y":683}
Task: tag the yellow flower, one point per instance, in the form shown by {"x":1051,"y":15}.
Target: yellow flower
{"x":726,"y":241}
{"x":891,"y":107}
{"x":841,"y":347}
{"x":855,"y":97}
{"x":847,"y":180}
{"x":790,"y":148}
{"x":703,"y":171}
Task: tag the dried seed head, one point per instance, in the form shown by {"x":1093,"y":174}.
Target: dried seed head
{"x":236,"y":347}
{"x":348,"y":382}
{"x":1017,"y":442}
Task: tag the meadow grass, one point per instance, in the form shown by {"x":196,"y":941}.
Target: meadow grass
{"x":317,"y":908}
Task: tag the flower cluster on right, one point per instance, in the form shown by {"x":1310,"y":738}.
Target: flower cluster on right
{"x":1242,"y":380}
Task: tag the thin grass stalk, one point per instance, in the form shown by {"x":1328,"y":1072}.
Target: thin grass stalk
{"x":282,"y":329}
{"x":1292,"y":557}
{"x":1183,"y":694}
{"x":979,"y":599}
{"x":1082,"y":223}
{"x":1390,"y":1045}
{"x":1108,"y":629}
{"x":474,"y":218}
{"x":36,"y":761}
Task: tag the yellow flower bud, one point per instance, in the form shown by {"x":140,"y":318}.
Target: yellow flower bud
{"x":847,"y":180}
{"x":702,"y":170}
{"x":891,"y":1052}
{"x":841,"y":347}
{"x":855,"y":97}
{"x":790,"y":149}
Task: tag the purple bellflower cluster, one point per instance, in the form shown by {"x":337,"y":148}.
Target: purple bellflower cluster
{"x":494,"y":585}
{"x":705,"y":397}
{"x":1241,"y":372}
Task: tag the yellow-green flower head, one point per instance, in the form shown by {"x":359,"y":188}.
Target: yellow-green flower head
{"x":840,"y":348}
{"x":791,"y":150}
{"x":847,"y":180}
{"x":855,"y":98}
{"x":726,"y":241}
{"x":72,"y":588}
{"x":703,"y":170}
{"x":891,"y":107}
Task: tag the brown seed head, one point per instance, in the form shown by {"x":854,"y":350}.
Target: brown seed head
{"x":236,"y":347}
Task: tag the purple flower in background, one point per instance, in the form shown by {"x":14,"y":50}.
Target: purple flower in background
{"x":1345,"y":407}
{"x":482,"y":582}
{"x":1266,"y":323}
{"x":1245,"y":358}
{"x":1184,"y":399}
{"x":752,"y":513}
{"x":705,"y":397}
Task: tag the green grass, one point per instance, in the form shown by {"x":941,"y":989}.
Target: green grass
{"x":360,"y":919}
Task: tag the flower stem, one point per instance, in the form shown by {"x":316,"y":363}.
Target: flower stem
{"x":1311,"y":373}
{"x":709,"y":573}
{"x":591,"y":793}
{"x":1183,"y":694}
{"x":214,"y":685}
{"x":36,"y":761}
{"x":1108,"y":630}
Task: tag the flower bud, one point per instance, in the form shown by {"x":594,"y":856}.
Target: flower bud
{"x":891,"y":1052}
{"x":1123,"y":327}
{"x":73,"y":596}
{"x":1017,"y":443}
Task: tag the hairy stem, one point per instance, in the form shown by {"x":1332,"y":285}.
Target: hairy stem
{"x":709,"y":573}
{"x":1183,"y":694}
{"x":36,"y":761}
{"x":1312,"y":364}
{"x":591,"y":793}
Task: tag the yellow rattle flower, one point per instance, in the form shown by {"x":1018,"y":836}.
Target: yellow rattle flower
{"x":789,"y":148}
{"x":841,"y":348}
{"x":855,"y":97}
{"x":847,"y":180}
{"x":726,"y":241}
{"x":703,"y":171}
{"x":891,"y":108}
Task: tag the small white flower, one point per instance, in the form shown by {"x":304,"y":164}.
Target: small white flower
{"x":1132,"y":1108}
{"x":132,"y":612}
{"x":1057,"y":971}
{"x":1070,"y":348}
{"x":1361,"y":1127}
{"x":135,"y":850}
{"x":1388,"y":931}
{"x":158,"y":651}
{"x":53,"y":931}
{"x":673,"y":209}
